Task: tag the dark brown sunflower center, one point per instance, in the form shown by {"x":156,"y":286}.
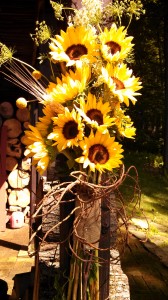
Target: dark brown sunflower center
{"x":98,"y":154}
{"x":76,"y":51}
{"x":70,"y":130}
{"x":119,"y":83}
{"x":113,"y":47}
{"x":95,"y":115}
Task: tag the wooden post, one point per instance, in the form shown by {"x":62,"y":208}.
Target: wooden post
{"x":3,"y":142}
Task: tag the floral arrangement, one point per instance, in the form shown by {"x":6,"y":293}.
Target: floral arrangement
{"x":84,"y":101}
{"x":84,"y":106}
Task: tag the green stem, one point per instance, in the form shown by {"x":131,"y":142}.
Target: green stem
{"x":72,"y":272}
{"x":129,"y":22}
{"x":52,"y":71}
{"x":99,"y":27}
{"x":76,"y":281}
{"x":97,"y":275}
{"x":67,"y":154}
{"x":71,"y":280}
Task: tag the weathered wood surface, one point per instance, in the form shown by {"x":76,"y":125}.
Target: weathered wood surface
{"x":11,"y":163}
{"x":3,"y":139}
{"x":23,"y":115}
{"x":14,"y":128}
{"x":49,"y":220}
{"x":14,"y":148}
{"x":6,"y":110}
{"x":18,"y":179}
{"x":19,"y":197}
{"x":49,"y":251}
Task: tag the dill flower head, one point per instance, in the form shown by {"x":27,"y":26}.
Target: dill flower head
{"x":5,"y":54}
{"x":57,"y":10}
{"x":135,"y":8}
{"x":90,"y":13}
{"x":42,"y":33}
{"x":115,"y":9}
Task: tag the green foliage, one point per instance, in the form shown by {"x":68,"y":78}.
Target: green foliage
{"x":59,"y":290}
{"x":149,"y":113}
{"x":153,"y":185}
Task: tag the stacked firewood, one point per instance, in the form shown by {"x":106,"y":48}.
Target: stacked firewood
{"x":17,"y":165}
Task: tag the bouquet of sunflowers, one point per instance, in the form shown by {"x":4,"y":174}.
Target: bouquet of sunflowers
{"x":85,"y":103}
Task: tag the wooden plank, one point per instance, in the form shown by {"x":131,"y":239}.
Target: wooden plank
{"x":3,"y":142}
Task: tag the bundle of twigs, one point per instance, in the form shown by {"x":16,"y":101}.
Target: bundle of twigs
{"x":86,"y":231}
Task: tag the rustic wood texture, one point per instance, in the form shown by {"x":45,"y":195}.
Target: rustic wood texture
{"x":50,"y":219}
{"x":14,"y":128}
{"x":16,"y":165}
{"x":6,"y":110}
{"x":3,"y":139}
{"x":19,"y":197}
{"x":23,"y":115}
{"x":26,"y":164}
{"x":18,"y":179}
{"x":49,"y":254}
{"x":11,"y":163}
{"x":14,"y":148}
{"x":26,"y":125}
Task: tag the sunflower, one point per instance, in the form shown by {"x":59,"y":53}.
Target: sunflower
{"x":44,"y":123}
{"x":100,"y":151}
{"x":69,"y":86}
{"x":121,"y":82}
{"x":124,"y":124}
{"x":115,"y":46}
{"x":95,"y":112}
{"x":77,"y":43}
{"x":68,"y":130}
{"x":36,"y":148}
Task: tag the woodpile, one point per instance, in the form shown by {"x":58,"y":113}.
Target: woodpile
{"x":17,"y":166}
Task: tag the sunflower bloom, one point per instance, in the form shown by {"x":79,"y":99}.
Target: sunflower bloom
{"x":69,"y":86}
{"x":95,"y":113}
{"x":76,"y":44}
{"x":45,"y":122}
{"x":124,"y":124}
{"x":100,"y":151}
{"x":36,"y":148}
{"x":121,"y":82}
{"x":68,"y":130}
{"x":115,"y":46}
